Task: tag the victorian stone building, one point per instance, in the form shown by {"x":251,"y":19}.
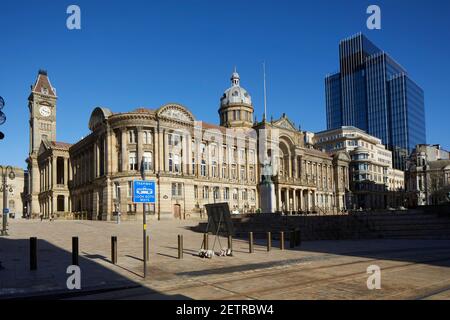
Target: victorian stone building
{"x":193,"y":163}
{"x":374,"y":183}
{"x":428,"y":175}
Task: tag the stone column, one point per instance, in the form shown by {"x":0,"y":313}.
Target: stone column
{"x":124,"y":150}
{"x":300,"y":200}
{"x":66,"y":172}
{"x":165,"y":151}
{"x":286,"y":199}
{"x":96,"y":160}
{"x":296,"y":172}
{"x":140,"y":149}
{"x":188,"y":155}
{"x":279,"y":206}
{"x":161,"y":147}
{"x":294,"y":199}
{"x":155,"y":146}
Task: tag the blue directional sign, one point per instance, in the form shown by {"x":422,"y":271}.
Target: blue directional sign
{"x":6,"y":211}
{"x":144,"y":191}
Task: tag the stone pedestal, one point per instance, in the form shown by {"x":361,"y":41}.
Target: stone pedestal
{"x":267,"y":197}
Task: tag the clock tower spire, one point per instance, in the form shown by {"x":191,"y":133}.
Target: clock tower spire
{"x":42,"y":107}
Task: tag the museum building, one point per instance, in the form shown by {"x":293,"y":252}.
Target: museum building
{"x":193,"y":163}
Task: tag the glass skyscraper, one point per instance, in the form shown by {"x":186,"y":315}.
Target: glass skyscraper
{"x":374,"y":93}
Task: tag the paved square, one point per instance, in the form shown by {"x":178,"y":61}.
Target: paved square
{"x":410,"y":269}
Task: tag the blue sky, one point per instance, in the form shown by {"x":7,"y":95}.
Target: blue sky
{"x":146,"y":53}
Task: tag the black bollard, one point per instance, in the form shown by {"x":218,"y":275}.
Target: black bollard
{"x":75,"y":251}
{"x":205,"y":241}
{"x":250,"y":242}
{"x":269,"y":241}
{"x":180,"y":246}
{"x":281,"y":240}
{"x":230,"y":243}
{"x":33,"y":253}
{"x":114,"y":250}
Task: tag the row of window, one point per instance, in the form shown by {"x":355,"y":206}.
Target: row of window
{"x":224,"y":194}
{"x":146,"y":136}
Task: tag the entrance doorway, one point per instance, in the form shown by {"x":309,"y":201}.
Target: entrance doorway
{"x":177,"y":211}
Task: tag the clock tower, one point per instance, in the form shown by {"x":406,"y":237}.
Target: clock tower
{"x":42,"y":108}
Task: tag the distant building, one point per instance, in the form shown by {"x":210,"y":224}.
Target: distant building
{"x":193,"y":163}
{"x":428,"y":175}
{"x":374,"y":183}
{"x":374,"y":93}
{"x":15,"y":192}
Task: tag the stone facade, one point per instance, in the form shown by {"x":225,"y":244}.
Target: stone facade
{"x":193,"y":163}
{"x":428,"y":175}
{"x":374,"y":183}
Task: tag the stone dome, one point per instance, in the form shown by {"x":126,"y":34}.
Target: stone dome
{"x":235,"y":94}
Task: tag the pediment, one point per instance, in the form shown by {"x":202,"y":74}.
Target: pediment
{"x":285,"y":123}
{"x":175,"y":112}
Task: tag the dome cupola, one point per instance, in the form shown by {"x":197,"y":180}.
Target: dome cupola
{"x":236,"y":109}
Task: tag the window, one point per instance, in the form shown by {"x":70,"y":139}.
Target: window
{"x":132,"y":136}
{"x":235,"y":194}
{"x":203,"y":168}
{"x":174,"y":139}
{"x":205,"y":192}
{"x":251,"y":157}
{"x":148,"y":161}
{"x":252,"y":174}
{"x":116,"y":194}
{"x":177,"y":189}
{"x":233,"y":172}
{"x":193,"y":163}
{"x":195,"y":191}
{"x":243,"y":173}
{"x":176,"y":161}
{"x":147,"y":137}
{"x":132,"y":208}
{"x":216,"y":193}
{"x":244,"y":194}
{"x":132,"y":160}
{"x":214,"y":169}
{"x":224,"y":171}
{"x":242,"y":155}
{"x":202,"y":148}
{"x":226,"y":193}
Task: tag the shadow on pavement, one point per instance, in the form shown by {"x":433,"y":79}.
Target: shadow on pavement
{"x":17,"y":281}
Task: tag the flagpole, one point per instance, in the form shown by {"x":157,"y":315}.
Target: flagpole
{"x":265,"y":93}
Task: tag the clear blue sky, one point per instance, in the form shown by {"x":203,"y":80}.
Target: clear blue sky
{"x":147,"y":53}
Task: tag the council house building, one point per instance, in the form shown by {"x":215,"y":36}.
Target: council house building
{"x":192,"y":162}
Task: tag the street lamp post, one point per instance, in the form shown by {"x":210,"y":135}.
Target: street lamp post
{"x":144,"y":222}
{"x":4,"y":189}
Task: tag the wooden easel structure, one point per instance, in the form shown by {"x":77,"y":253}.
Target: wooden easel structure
{"x":219,"y":218}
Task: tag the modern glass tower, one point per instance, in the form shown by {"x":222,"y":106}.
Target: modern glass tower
{"x":374,"y":93}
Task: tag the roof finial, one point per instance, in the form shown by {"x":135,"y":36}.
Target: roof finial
{"x":235,"y":78}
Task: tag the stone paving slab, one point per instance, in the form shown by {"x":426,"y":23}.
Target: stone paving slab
{"x":316,"y":270}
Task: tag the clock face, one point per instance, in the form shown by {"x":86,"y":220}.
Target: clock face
{"x":45,"y":111}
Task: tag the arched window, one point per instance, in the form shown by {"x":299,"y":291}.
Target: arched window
{"x":148,"y":161}
{"x":203,"y":168}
